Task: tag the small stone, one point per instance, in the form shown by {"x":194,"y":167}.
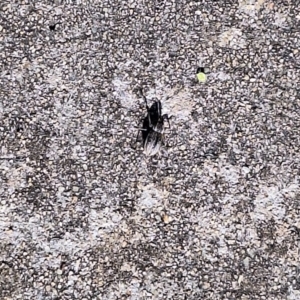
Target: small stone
{"x":59,"y":272}
{"x":241,"y":278}
{"x":61,"y":189}
{"x":167,"y":219}
{"x":206,"y":285}
{"x":75,"y":189}
{"x":246,"y":263}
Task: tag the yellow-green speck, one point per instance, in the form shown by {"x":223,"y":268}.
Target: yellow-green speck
{"x":201,"y":77}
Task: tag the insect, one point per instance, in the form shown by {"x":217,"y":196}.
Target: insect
{"x":153,"y":128}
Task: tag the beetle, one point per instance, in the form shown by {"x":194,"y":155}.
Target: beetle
{"x":153,"y":127}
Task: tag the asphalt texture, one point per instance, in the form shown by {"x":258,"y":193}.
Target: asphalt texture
{"x":84,"y":214}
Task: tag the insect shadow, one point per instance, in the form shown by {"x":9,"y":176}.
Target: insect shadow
{"x":153,"y":128}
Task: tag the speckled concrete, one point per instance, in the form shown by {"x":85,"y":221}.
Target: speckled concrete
{"x":85,"y":215}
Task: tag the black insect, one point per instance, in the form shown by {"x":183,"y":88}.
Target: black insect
{"x":53,"y":26}
{"x":153,"y":128}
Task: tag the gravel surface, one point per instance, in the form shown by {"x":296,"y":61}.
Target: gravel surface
{"x":85,"y":215}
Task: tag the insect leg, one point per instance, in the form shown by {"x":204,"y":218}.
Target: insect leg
{"x":166,"y":117}
{"x":144,"y":97}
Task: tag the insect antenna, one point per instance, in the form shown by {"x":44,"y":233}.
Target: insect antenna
{"x":144,"y":97}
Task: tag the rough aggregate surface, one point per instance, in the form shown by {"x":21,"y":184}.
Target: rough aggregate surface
{"x":85,"y":215}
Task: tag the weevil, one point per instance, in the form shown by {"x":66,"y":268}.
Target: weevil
{"x":153,"y":128}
